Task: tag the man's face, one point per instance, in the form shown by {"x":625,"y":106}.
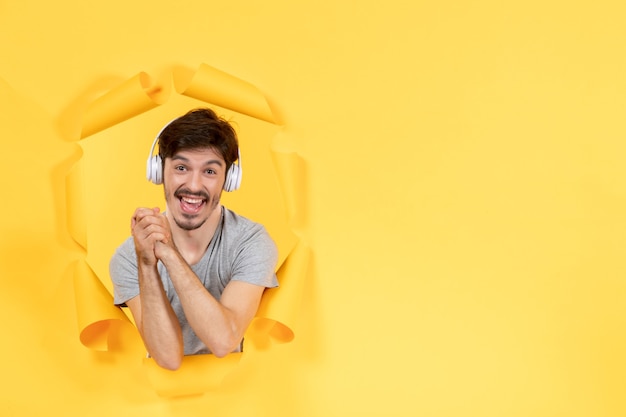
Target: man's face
{"x":192,"y":182}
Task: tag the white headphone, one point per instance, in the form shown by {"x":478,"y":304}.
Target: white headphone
{"x":154,"y":168}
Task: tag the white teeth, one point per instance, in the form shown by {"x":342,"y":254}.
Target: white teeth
{"x":192,"y":200}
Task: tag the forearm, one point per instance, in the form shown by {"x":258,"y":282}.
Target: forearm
{"x":159,"y":326}
{"x":213,"y":323}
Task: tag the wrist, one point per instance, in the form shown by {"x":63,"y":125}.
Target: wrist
{"x":166,"y":253}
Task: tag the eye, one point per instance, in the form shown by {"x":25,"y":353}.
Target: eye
{"x":210,"y":171}
{"x":179,"y":168}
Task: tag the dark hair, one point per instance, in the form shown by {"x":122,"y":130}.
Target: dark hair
{"x":197,"y":129}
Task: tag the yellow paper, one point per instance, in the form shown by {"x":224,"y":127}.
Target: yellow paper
{"x":291,"y":175}
{"x":99,"y":320}
{"x":131,"y":98}
{"x":466,"y":172}
{"x":277,"y":315}
{"x":196,"y":375}
{"x":214,"y":86}
{"x":95,"y":309}
{"x":75,"y":205}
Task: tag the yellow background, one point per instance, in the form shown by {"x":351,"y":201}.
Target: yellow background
{"x":465,"y":198}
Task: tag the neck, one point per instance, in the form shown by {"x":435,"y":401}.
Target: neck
{"x":192,"y":244}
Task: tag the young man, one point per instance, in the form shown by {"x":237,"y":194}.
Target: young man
{"x":194,"y":275}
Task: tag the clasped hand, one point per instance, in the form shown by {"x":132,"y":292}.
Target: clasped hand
{"x":152,"y":235}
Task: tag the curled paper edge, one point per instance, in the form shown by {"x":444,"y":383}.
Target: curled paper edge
{"x":277,"y":314}
{"x":131,"y":98}
{"x":94,"y":308}
{"x":213,"y":86}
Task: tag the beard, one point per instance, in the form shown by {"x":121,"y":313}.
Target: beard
{"x":190,"y":224}
{"x":188,"y":221}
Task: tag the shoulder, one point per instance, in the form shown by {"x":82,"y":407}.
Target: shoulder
{"x":243,"y":227}
{"x":124,"y":256}
{"x":242,"y":233}
{"x":126,"y":249}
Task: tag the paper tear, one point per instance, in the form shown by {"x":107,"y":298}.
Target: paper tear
{"x":291,"y":176}
{"x":94,"y":308}
{"x":222,"y":89}
{"x":279,"y":306}
{"x":75,"y":204}
{"x":97,"y":316}
{"x":133,"y":97}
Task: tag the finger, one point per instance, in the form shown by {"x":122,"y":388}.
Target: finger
{"x":158,"y":237}
{"x":137,"y":216}
{"x":152,"y":226}
{"x":141,"y":214}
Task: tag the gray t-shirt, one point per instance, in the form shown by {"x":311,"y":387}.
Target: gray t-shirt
{"x":240,"y":250}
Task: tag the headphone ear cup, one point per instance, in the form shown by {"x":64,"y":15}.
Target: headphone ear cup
{"x":154,"y":170}
{"x":233,"y":178}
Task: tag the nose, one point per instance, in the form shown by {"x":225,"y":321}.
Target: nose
{"x":195,"y":180}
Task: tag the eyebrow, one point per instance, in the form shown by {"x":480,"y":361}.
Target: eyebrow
{"x":209,"y":162}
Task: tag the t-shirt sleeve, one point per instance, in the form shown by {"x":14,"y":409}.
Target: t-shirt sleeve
{"x":256,"y":259}
{"x":124,"y":274}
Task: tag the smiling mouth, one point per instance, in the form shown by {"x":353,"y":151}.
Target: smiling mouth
{"x":191,"y":205}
